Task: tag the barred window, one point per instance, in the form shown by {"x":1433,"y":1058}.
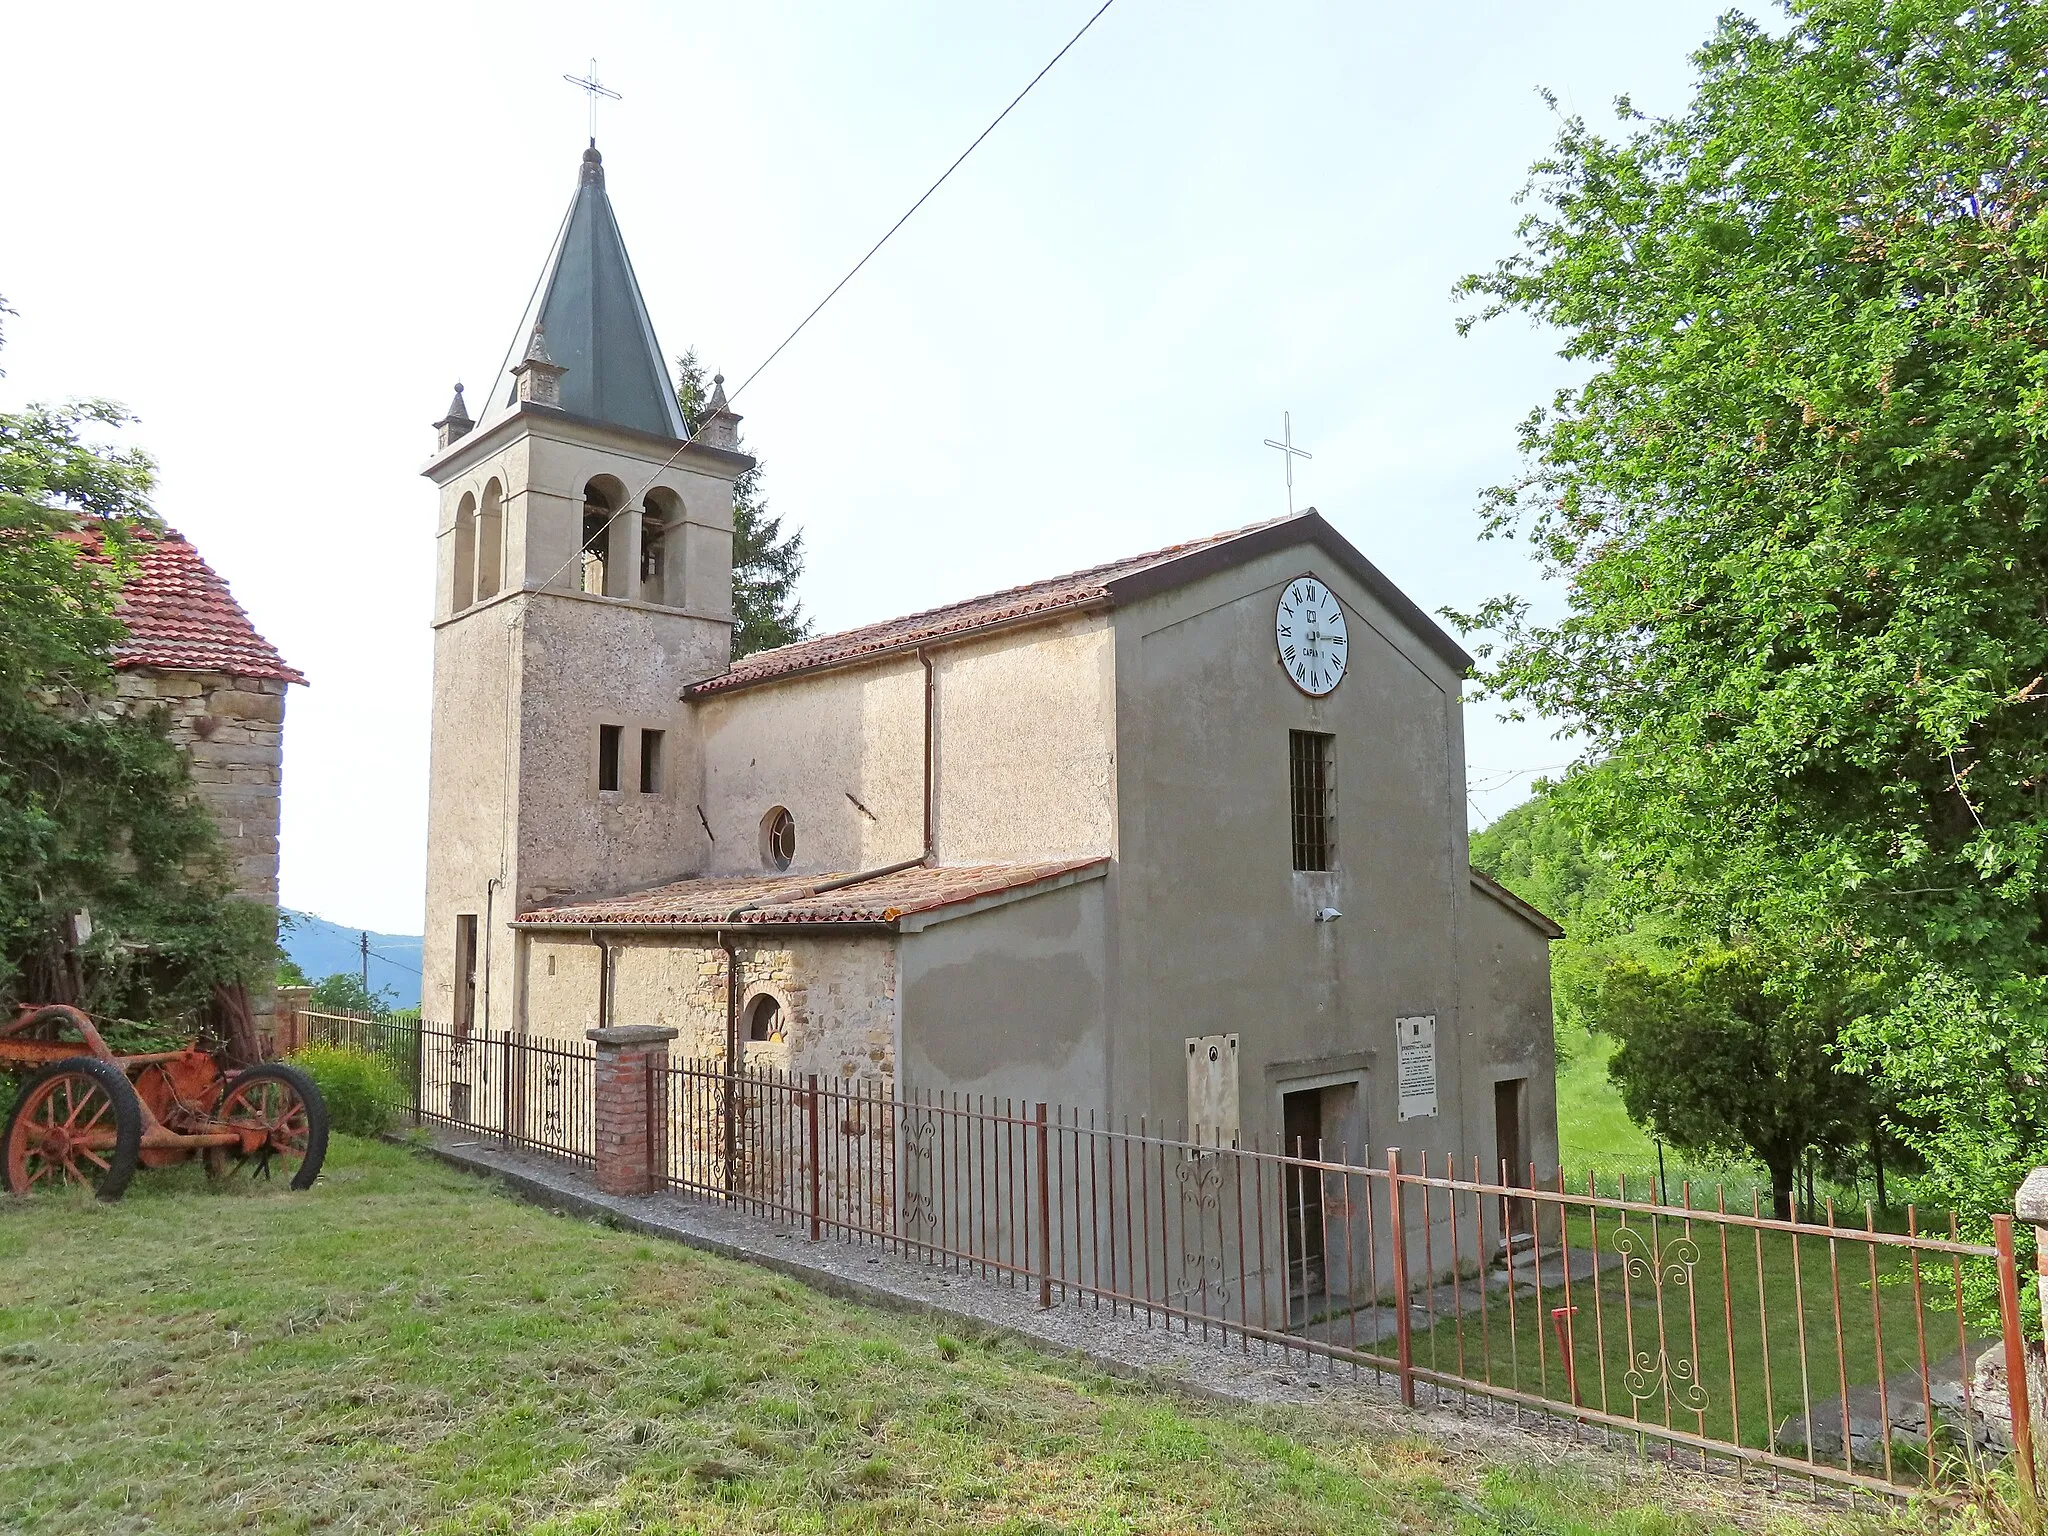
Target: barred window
{"x":1312,"y":779}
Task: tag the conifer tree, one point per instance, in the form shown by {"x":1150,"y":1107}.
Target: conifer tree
{"x":765,"y":562}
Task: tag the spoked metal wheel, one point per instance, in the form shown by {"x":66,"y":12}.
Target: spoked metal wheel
{"x":76,"y":1121}
{"x":284,"y":1124}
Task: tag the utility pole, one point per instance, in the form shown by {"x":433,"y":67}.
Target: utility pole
{"x":363,"y":940}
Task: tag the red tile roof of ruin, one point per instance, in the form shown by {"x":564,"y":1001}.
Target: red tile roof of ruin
{"x":709,"y":900}
{"x":1040,"y":597}
{"x":181,"y":617}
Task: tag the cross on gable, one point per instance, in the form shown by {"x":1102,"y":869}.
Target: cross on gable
{"x":1288,"y":454}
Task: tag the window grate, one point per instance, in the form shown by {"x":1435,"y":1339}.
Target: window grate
{"x":1312,"y":782}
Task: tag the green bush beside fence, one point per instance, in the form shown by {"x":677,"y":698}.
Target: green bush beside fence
{"x":362,"y":1091}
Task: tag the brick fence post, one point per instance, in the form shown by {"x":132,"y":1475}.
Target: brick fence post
{"x":630,"y":1150}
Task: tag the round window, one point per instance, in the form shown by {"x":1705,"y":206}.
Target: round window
{"x":778,"y":838}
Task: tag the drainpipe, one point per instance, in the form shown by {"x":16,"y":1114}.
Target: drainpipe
{"x":604,"y":979}
{"x":490,"y":928}
{"x":730,"y":1085}
{"x":931,"y":694}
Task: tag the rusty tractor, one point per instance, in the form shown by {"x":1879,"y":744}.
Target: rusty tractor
{"x":85,"y":1116}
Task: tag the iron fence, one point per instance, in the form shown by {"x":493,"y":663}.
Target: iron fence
{"x":1832,"y":1351}
{"x":1842,"y":1351}
{"x":529,"y":1091}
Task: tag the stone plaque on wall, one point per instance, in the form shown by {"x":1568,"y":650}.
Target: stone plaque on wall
{"x":1416,"y":1069}
{"x":1212,"y":1089}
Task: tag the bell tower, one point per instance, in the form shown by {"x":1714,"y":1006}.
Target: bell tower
{"x":583,"y":578}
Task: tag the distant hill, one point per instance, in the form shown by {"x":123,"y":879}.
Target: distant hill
{"x":322,"y":948}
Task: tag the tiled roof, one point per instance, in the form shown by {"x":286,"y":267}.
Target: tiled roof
{"x":710,"y":900}
{"x":1040,"y":597}
{"x":181,"y":616}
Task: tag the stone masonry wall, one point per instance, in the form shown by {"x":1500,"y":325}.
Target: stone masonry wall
{"x":838,"y":998}
{"x":232,"y":729}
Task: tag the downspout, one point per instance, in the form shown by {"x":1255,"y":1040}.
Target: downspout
{"x":490,"y":890}
{"x":931,"y":694}
{"x":729,"y":945}
{"x":604,"y":979}
{"x":728,"y":1127}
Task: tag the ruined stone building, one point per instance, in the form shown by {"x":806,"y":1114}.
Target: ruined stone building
{"x":191,"y":652}
{"x":1181,"y":835}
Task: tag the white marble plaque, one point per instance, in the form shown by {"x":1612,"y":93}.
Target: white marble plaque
{"x":1416,"y":1066}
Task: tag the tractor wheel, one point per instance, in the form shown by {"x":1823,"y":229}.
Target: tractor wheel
{"x":76,"y":1121}
{"x":286,"y":1103}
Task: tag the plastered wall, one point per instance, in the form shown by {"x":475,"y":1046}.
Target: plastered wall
{"x":1023,"y":765}
{"x":1011,"y":1000}
{"x":1507,"y":971}
{"x":1215,"y":931}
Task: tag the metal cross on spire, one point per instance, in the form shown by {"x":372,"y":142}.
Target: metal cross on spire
{"x":1288,"y":454}
{"x":594,"y":88}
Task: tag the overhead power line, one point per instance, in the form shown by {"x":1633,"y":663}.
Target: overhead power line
{"x":928,"y":191}
{"x":854,"y":270}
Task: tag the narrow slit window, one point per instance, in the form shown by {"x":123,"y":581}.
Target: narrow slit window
{"x":650,"y":762}
{"x":608,"y":756}
{"x":1312,"y":779}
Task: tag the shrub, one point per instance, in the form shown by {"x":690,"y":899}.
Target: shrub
{"x":360,"y":1088}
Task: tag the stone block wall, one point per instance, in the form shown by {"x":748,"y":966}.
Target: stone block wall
{"x":232,"y":729}
{"x":838,"y":997}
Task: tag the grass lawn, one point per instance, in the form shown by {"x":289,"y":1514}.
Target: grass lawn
{"x":403,"y":1349}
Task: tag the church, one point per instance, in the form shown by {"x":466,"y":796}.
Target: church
{"x":1180,"y":836}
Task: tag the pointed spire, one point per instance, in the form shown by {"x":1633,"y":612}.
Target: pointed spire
{"x":538,"y":378}
{"x":719,"y":426}
{"x":597,"y":333}
{"x":456,"y":423}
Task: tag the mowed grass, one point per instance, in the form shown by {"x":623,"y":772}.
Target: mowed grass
{"x":404,"y":1349}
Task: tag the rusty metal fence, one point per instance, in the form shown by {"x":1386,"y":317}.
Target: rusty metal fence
{"x":1838,"y":1351}
{"x":1850,"y":1351}
{"x":528,"y":1091}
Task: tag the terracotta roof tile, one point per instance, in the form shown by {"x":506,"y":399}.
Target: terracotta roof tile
{"x":181,"y":617}
{"x":1071,"y":591}
{"x":708,"y":900}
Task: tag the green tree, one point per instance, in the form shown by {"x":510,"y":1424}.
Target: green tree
{"x":96,"y":811}
{"x":1799,"y":511}
{"x":1546,"y":853}
{"x":765,"y":562}
{"x":344,"y":992}
{"x":1734,"y":1051}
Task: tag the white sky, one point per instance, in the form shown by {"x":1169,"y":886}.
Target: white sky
{"x":280,"y":233}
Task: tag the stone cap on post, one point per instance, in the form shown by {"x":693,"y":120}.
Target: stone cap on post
{"x":620,"y":1035}
{"x":2031,"y":1203}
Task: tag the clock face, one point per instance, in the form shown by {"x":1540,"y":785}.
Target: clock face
{"x":1309,"y":628}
